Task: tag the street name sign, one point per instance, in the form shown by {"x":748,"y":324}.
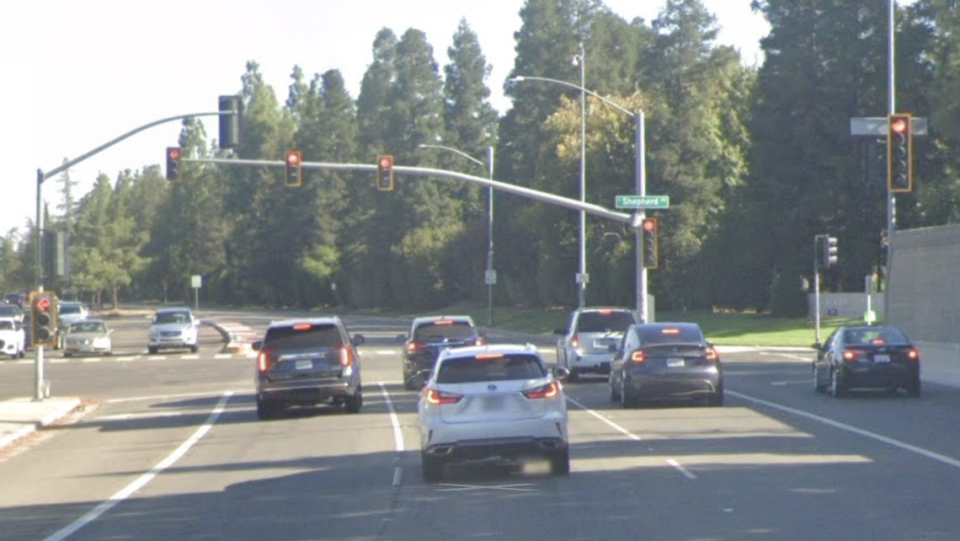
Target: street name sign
{"x":643,"y":201}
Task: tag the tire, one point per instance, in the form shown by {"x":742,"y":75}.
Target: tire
{"x":716,"y":399}
{"x":194,"y":349}
{"x":627,"y":399}
{"x":560,"y":463}
{"x":22,"y":354}
{"x":837,"y":388}
{"x":152,"y":350}
{"x":265,"y":410}
{"x":353,"y":404}
{"x":574,"y":376}
{"x":432,"y":468}
{"x":614,"y":394}
{"x":913,"y":388}
{"x":817,"y":386}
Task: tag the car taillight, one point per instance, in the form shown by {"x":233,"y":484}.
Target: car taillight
{"x":479,"y":341}
{"x":412,"y":347}
{"x":346,"y":356}
{"x":263,"y":361}
{"x":550,"y":390}
{"x":437,"y":398}
{"x":913,"y":354}
{"x":575,"y":341}
{"x":850,"y":355}
{"x":712,"y":355}
{"x":637,"y":356}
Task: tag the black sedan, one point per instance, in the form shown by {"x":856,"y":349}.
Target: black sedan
{"x":666,"y":361}
{"x":867,"y":357}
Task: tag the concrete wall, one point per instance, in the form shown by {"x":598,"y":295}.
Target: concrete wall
{"x":845,"y":305}
{"x":925,"y":284}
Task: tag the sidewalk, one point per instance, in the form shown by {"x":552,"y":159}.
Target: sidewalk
{"x":20,"y":417}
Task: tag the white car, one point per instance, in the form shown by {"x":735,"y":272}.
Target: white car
{"x":12,"y":338}
{"x":588,"y":343}
{"x":173,"y":328}
{"x":494,"y":402}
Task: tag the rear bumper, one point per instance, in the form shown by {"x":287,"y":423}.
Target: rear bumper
{"x":673,"y":386}
{"x":472,"y":441}
{"x":307,"y":392}
{"x":878,"y":376}
{"x":594,"y":363}
{"x":496,"y":448}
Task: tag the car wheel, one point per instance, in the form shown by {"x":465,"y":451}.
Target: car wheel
{"x":574,"y":375}
{"x":194,"y":349}
{"x":614,"y":394}
{"x":265,"y":410}
{"x":432,"y":468}
{"x":560,"y":463}
{"x":913,"y":388}
{"x":22,"y":354}
{"x":352,"y":404}
{"x":627,"y":399}
{"x":837,"y":387}
{"x":152,"y":350}
{"x":67,"y":354}
{"x":817,"y":386}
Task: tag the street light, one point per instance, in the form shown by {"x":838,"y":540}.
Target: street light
{"x":641,"y":176}
{"x":490,"y":277}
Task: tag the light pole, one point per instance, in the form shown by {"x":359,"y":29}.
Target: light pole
{"x":490,"y":276}
{"x":582,"y":277}
{"x":640,"y":177}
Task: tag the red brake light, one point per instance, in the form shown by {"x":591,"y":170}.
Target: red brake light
{"x":263,"y":361}
{"x":913,"y":354}
{"x":606,"y":312}
{"x":302,"y":326}
{"x":850,"y":354}
{"x":637,"y":356}
{"x":671,"y":330}
{"x":550,"y":390}
{"x":488,"y":356}
{"x":437,"y":398}
{"x":346,"y":356}
{"x":712,"y":355}
{"x":575,"y":341}
{"x":443,"y":322}
{"x":412,"y":347}
{"x":878,"y":341}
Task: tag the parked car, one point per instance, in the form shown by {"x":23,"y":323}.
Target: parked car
{"x":666,"y":361}
{"x":496,"y":402}
{"x":867,"y":357}
{"x":173,"y":328}
{"x":12,"y":338}
{"x":305,"y":362}
{"x":89,"y":336}
{"x":584,"y":345}
{"x":431,"y":335}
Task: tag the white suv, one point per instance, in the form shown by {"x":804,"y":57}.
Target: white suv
{"x":492,"y":402}
{"x":588,"y":343}
{"x":173,"y":328}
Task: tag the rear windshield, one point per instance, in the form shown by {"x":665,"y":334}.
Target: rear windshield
{"x":604,"y":321}
{"x":670,"y":335}
{"x":166,"y":317}
{"x":70,"y":308}
{"x":874,"y":335}
{"x":433,"y":332}
{"x":507,"y":367}
{"x":9,"y":309}
{"x":6,"y":325}
{"x":303,"y":337}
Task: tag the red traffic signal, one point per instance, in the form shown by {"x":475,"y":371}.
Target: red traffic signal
{"x":294,"y":169}
{"x":900,"y":153}
{"x":43,"y":318}
{"x":174,"y":160}
{"x":650,"y":257}
{"x":385,"y":179}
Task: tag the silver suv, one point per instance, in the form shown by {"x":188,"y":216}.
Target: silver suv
{"x":173,"y":328}
{"x":588,"y":342}
{"x":305,"y":362}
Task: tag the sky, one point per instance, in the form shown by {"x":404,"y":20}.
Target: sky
{"x":79,"y":74}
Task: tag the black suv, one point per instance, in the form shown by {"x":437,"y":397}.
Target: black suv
{"x":431,"y":335}
{"x":305,"y":362}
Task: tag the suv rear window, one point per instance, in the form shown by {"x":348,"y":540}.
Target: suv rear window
{"x":501,"y":368}
{"x":161,"y":317}
{"x":456,"y":329}
{"x":303,"y":336}
{"x":604,"y":321}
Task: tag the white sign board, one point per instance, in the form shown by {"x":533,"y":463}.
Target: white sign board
{"x":196,"y":281}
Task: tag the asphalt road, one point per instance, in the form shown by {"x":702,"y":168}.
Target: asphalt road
{"x":171,"y":449}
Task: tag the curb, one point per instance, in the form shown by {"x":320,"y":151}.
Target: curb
{"x":67,"y":408}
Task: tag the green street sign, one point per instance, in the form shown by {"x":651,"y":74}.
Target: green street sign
{"x":643,"y":202}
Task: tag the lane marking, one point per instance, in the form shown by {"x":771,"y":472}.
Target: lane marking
{"x":509,"y":488}
{"x":612,"y":424}
{"x":679,"y":467}
{"x":143,"y":415}
{"x":144,"y":479}
{"x":852,"y":429}
{"x":394,"y":420}
{"x":162,"y":397}
{"x":386,"y":352}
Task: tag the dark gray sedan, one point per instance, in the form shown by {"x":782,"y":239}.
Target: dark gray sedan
{"x":867,"y":357}
{"x":666,"y":361}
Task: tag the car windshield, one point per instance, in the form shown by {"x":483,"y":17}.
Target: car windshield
{"x":303,"y":336}
{"x":88,"y":326}
{"x":434,"y":332}
{"x":6,"y":325}
{"x":70,"y":309}
{"x":604,"y":321}
{"x":172,"y":317}
{"x":495,"y":367}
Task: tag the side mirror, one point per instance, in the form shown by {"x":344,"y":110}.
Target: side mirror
{"x":358,"y":340}
{"x":561,"y":373}
{"x":256,"y":345}
{"x":401,"y":338}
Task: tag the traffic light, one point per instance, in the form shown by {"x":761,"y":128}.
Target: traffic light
{"x":230,"y":122}
{"x":43,"y":319}
{"x":173,"y":164}
{"x":385,"y":173}
{"x":651,"y":255}
{"x":829,"y":256}
{"x":294,"y":166}
{"x":900,"y":152}
{"x":56,"y":254}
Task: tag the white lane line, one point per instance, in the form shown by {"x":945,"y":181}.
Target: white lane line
{"x":859,"y":431}
{"x":397,"y":433}
{"x":612,"y":424}
{"x":143,"y":415}
{"x":94,"y":360}
{"x":679,"y":467}
{"x":59,"y":361}
{"x":162,"y":397}
{"x":144,"y":479}
{"x":386,"y":352}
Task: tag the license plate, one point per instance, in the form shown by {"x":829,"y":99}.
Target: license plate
{"x":881,"y":358}
{"x":674,"y":362}
{"x":304,"y":365}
